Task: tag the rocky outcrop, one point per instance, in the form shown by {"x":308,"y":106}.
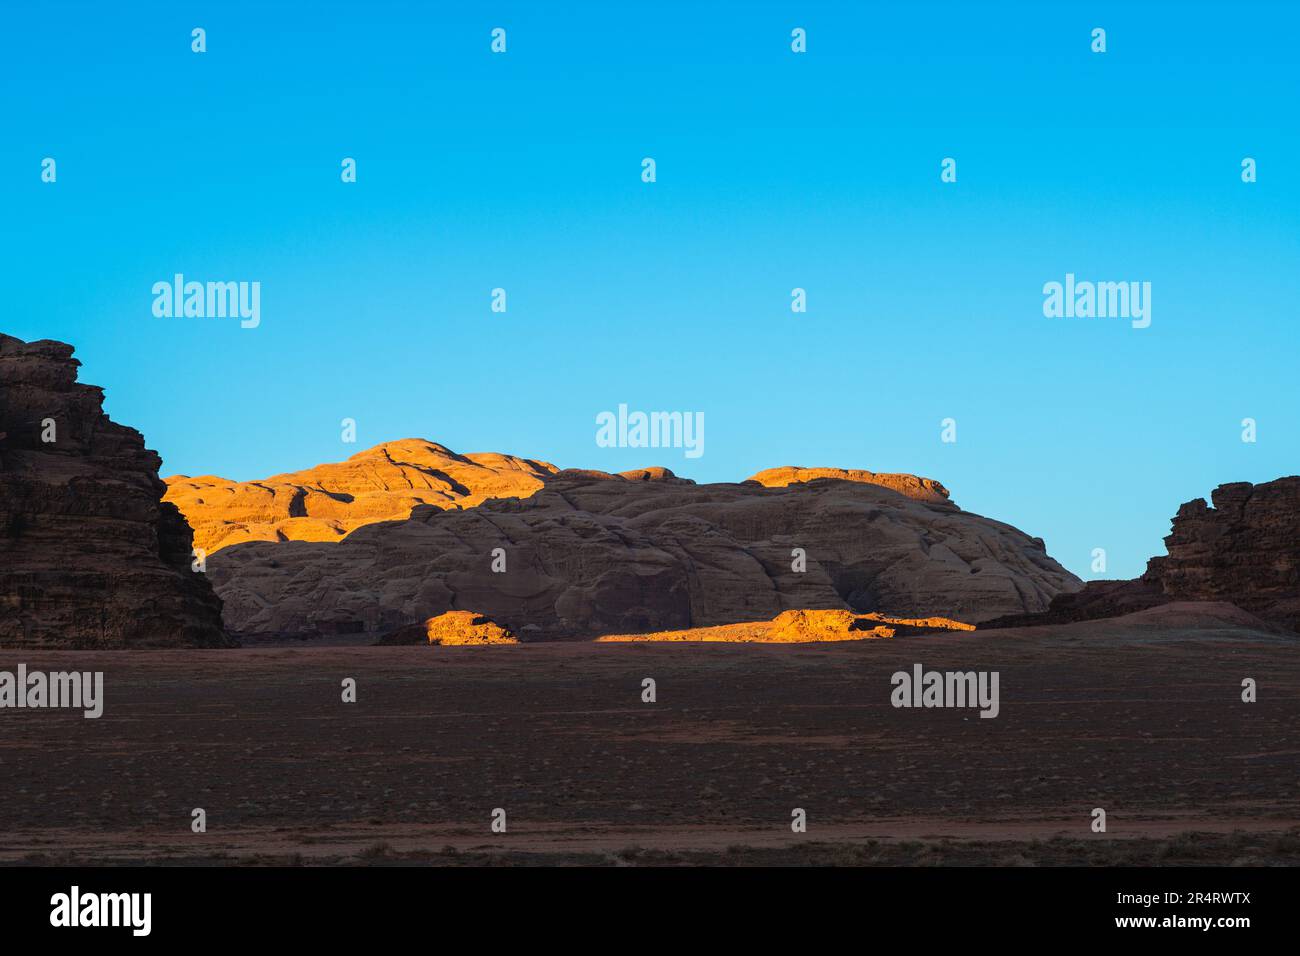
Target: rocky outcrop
{"x":801,"y":627}
{"x":327,"y":502}
{"x":1244,"y":550}
{"x":452,"y":629}
{"x":89,"y":554}
{"x":591,"y":553}
{"x":653,"y":474}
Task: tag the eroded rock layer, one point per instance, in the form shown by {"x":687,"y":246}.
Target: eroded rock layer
{"x":90,"y":556}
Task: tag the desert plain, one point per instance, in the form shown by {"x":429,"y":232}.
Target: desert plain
{"x":1140,"y":715}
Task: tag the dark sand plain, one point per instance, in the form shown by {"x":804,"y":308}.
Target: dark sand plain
{"x":1141,"y":716}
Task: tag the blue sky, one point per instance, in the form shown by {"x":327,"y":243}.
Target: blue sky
{"x":775,"y":170}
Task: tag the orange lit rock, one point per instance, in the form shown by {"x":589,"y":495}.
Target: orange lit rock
{"x":905,"y":625}
{"x":921,"y":489}
{"x":802,"y":627}
{"x":452,"y":628}
{"x":330,"y":501}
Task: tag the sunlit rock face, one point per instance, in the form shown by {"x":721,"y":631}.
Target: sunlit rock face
{"x":801,"y":627}
{"x":922,"y":489}
{"x":578,"y":554}
{"x":452,"y":629}
{"x":329,"y":501}
{"x":90,"y":556}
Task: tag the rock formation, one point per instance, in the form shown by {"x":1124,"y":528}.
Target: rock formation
{"x":801,"y":627}
{"x":1244,"y":550}
{"x":591,"y":553}
{"x":89,"y":554}
{"x":327,"y":502}
{"x":452,"y":629}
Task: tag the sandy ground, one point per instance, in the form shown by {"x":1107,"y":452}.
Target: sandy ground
{"x":1143,"y":718}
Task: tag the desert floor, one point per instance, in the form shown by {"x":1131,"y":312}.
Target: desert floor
{"x":1141,"y":716}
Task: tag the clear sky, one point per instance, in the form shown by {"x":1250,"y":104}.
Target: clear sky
{"x":775,"y":170}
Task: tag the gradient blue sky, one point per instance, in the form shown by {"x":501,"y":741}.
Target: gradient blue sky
{"x":775,"y":171}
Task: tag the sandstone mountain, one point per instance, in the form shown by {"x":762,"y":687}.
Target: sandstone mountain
{"x":327,"y":502}
{"x":589,"y":553}
{"x":1244,"y":550}
{"x":89,"y":554}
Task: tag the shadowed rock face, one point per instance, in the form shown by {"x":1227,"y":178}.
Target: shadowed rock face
{"x":89,"y":554}
{"x":1244,"y":550}
{"x":592,"y":553}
